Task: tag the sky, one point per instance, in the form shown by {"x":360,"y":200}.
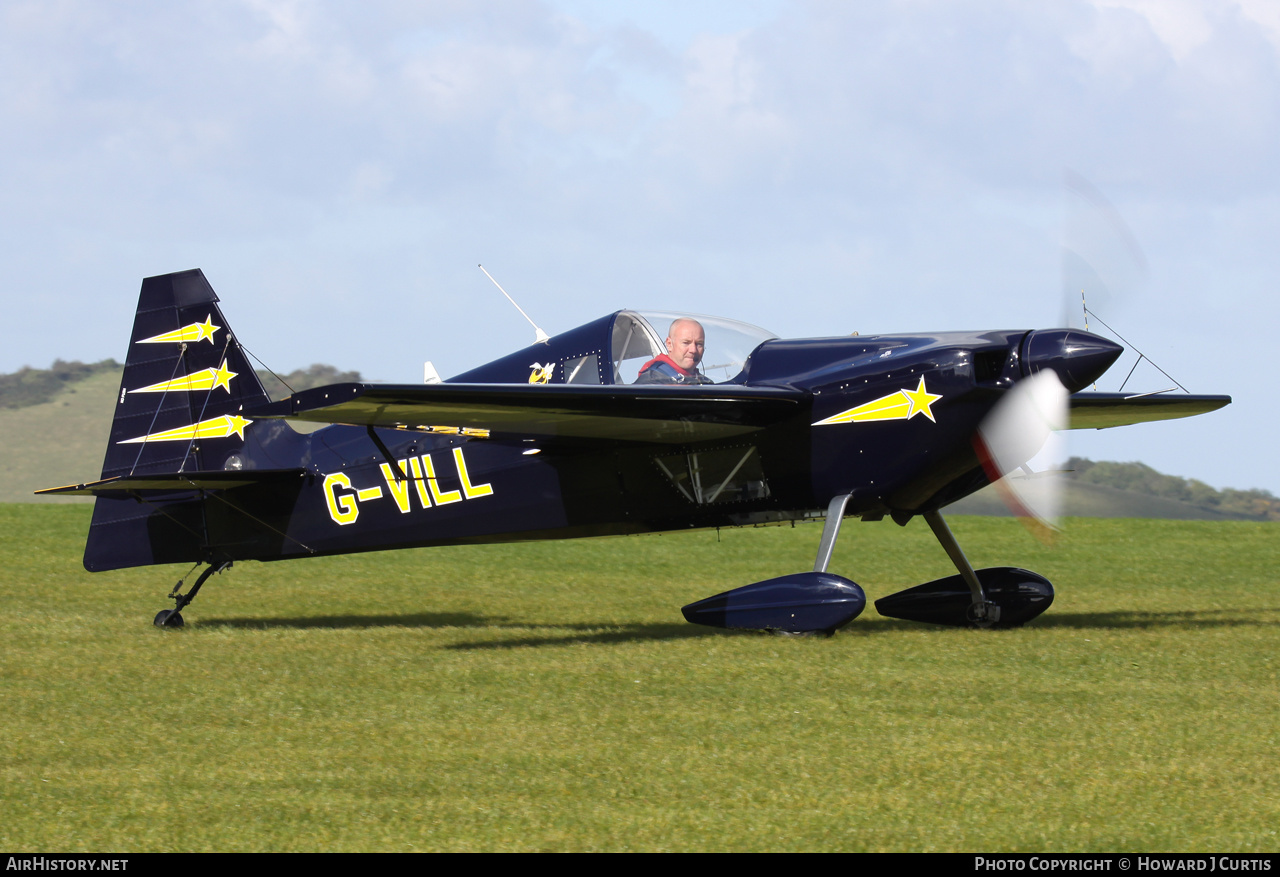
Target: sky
{"x":338,"y":171}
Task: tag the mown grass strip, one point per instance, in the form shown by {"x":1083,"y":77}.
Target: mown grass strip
{"x":551,"y":697}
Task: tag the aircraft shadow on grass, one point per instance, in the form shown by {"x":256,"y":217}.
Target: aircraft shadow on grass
{"x":566,"y":633}
{"x":612,"y":634}
{"x":1133,"y":619}
{"x":358,"y":622}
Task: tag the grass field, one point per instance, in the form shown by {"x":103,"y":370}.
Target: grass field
{"x":550,"y":697}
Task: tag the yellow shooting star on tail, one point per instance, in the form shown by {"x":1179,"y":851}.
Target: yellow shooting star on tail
{"x":902,"y":405}
{"x":194,"y":332}
{"x":205,"y":379}
{"x":216,"y":427}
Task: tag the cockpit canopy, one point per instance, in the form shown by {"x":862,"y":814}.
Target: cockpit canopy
{"x":613,"y":349}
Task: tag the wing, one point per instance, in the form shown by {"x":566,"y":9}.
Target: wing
{"x":1103,"y":410}
{"x":668,"y":414}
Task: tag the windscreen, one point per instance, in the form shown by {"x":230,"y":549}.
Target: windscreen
{"x":639,"y":336}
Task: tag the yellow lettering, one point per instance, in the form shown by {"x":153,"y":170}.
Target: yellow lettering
{"x":399,"y":488}
{"x":420,"y":483}
{"x":342,"y":507}
{"x":441,"y":497}
{"x":471,"y":490}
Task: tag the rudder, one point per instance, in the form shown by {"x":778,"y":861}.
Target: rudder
{"x":180,"y":407}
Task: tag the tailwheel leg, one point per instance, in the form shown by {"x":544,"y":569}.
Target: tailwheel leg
{"x":173,"y":617}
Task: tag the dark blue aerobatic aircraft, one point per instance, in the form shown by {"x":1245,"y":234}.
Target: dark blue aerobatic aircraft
{"x":556,"y":441}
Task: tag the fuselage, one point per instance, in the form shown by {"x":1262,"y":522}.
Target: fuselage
{"x":887,"y":419}
{"x":553,"y":441}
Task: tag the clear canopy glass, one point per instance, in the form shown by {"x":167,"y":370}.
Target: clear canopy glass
{"x":639,"y":336}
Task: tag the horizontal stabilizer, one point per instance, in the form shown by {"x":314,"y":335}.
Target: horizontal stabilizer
{"x":673,"y":414}
{"x":1104,"y":410}
{"x":172,"y":482}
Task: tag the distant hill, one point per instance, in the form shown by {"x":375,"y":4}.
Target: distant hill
{"x":1085,"y":500}
{"x":1135,"y":490}
{"x":304,"y":379}
{"x":32,"y":386}
{"x":1140,"y":478}
{"x":55,"y":422}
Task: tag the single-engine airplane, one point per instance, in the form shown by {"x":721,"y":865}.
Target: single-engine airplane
{"x":555,"y":441}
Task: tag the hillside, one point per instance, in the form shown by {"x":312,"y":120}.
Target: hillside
{"x":57,"y":441}
{"x":1084,"y":500}
{"x":54,"y":425}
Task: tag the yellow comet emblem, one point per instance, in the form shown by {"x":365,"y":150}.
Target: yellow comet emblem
{"x":902,"y":405}
{"x":194,"y":332}
{"x":205,"y":379}
{"x":216,"y":427}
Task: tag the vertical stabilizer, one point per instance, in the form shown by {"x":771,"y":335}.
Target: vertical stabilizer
{"x":186,"y":383}
{"x":186,"y":386}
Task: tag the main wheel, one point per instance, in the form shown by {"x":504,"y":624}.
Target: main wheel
{"x":168,"y":618}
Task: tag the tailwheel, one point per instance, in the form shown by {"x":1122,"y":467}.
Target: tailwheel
{"x":172,"y":618}
{"x":168,"y":618}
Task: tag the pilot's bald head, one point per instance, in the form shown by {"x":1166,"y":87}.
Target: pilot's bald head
{"x":685,"y":343}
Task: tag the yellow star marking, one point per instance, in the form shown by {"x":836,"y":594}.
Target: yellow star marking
{"x":901,"y":405}
{"x":194,"y":332}
{"x":216,"y":427}
{"x":205,"y":379}
{"x":222,"y":378}
{"x":920,"y":400}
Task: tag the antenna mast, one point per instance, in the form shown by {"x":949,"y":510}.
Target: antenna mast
{"x":541,"y":337}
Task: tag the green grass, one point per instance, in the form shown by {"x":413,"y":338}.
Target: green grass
{"x":550,"y":697}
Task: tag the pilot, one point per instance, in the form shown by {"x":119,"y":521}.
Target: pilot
{"x":679,"y":365}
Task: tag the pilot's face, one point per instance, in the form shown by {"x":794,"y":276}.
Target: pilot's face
{"x":686,"y":343}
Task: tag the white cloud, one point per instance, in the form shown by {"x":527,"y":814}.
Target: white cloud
{"x":1180,"y":24}
{"x":878,"y":165}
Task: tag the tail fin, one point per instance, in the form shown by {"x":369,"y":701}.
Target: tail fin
{"x":186,"y":382}
{"x":180,"y":408}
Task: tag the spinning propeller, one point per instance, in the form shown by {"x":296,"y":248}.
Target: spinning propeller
{"x":1015,"y":431}
{"x":1054,"y":364}
{"x":1102,"y":263}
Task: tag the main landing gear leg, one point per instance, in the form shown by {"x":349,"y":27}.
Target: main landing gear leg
{"x":830,"y":530}
{"x":826,"y":547}
{"x":982,"y":612}
{"x":173,"y":617}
